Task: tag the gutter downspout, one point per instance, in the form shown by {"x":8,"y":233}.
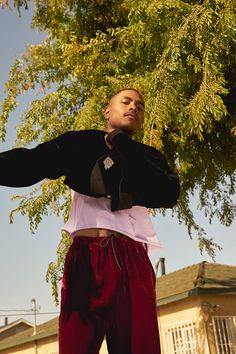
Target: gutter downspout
{"x":206,"y":340}
{"x":208,"y":309}
{"x":35,"y":347}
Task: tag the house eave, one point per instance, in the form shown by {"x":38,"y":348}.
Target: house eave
{"x":28,"y":339}
{"x":195,"y":292}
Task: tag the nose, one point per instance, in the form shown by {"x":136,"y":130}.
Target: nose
{"x":133,"y":107}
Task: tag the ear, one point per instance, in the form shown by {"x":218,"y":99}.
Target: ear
{"x":106,"y":112}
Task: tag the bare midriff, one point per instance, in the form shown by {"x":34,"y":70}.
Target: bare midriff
{"x":95,"y":232}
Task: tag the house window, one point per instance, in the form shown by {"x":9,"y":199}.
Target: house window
{"x":225,"y":334}
{"x":180,"y":338}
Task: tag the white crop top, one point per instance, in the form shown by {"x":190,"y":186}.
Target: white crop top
{"x":88,"y":212}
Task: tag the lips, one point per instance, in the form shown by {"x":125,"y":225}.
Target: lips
{"x":131,"y":115}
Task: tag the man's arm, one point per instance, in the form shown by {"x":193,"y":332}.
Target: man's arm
{"x":22,"y":167}
{"x":153,"y":182}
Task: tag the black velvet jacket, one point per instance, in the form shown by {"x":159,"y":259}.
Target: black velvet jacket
{"x":130,"y":174}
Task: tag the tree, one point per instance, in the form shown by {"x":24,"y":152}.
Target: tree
{"x":180,"y":54}
{"x":16,"y":3}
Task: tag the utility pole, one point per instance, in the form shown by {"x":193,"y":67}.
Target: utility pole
{"x":34,"y":309}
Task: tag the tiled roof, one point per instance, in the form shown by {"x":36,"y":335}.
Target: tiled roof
{"x":15,"y":323}
{"x":207,"y":278}
{"x":44,"y":330}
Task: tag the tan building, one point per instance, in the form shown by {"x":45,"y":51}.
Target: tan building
{"x":196,"y":310}
{"x":14,"y":327}
{"x":45,"y":341}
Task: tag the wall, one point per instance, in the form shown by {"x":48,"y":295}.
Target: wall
{"x":191,"y":309}
{"x":44,"y":346}
{"x":226,"y":306}
{"x":186,"y":309}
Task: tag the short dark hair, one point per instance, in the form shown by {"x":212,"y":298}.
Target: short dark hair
{"x":126,"y":89}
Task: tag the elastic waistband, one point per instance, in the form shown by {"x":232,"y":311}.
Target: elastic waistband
{"x":98,"y":239}
{"x":97,"y":233}
{"x":103,"y":241}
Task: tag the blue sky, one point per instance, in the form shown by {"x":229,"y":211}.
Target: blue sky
{"x":24,"y":257}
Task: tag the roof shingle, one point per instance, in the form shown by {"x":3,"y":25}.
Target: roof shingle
{"x":44,"y":330}
{"x":198,"y":278}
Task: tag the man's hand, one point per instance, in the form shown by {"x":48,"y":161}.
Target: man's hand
{"x":111,"y":134}
{"x":108,"y":145}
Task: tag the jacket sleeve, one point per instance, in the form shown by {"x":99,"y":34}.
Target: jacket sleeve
{"x":152,"y":181}
{"x":23,"y":167}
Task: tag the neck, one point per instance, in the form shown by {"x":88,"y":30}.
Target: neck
{"x":110,"y":129}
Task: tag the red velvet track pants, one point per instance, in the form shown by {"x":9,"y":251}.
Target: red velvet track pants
{"x":108,"y":289}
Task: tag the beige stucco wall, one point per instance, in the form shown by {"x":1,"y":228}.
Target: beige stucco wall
{"x":226,"y":307}
{"x":43,"y":346}
{"x":103,"y":349}
{"x":191,"y":309}
{"x":187,"y":309}
{"x":26,"y":349}
{"x":47,"y":345}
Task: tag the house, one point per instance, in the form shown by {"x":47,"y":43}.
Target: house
{"x":13,"y":328}
{"x":45,"y":341}
{"x":197,"y":309}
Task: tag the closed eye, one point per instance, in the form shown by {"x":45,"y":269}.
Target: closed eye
{"x":140,"y":108}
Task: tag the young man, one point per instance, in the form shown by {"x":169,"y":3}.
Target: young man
{"x":108,"y":286}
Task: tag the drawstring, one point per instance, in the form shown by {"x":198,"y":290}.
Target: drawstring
{"x":104,"y":244}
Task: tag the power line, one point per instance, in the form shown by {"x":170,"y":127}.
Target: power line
{"x":29,"y":314}
{"x":34,"y":311}
{"x":15,"y":310}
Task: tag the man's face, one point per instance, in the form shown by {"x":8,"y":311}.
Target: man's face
{"x":126,"y":112}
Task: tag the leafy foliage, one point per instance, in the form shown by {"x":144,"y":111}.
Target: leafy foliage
{"x":180,"y":54}
{"x":16,"y":3}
